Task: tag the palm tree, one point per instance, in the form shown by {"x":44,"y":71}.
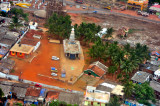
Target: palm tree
{"x":114,"y":101}
{"x":128,"y":89}
{"x":109,"y":32}
{"x":112,"y":69}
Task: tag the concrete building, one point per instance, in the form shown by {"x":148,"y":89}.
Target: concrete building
{"x":72,"y":47}
{"x":95,"y":97}
{"x":21,"y":50}
{"x":141,"y":77}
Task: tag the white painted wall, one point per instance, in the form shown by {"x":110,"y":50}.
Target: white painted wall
{"x":37,"y":46}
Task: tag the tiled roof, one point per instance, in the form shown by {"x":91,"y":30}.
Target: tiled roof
{"x":33,"y":92}
{"x":51,"y":95}
{"x":98,"y":68}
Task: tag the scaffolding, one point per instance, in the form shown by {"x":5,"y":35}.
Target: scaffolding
{"x":55,"y":6}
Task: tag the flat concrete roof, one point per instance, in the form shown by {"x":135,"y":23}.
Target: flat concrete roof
{"x":22,"y":49}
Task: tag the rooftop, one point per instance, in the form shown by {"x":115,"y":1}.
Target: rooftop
{"x":140,"y":76}
{"x":97,"y":95}
{"x":22,"y":49}
{"x":98,"y":68}
{"x":118,"y":90}
{"x":30,"y":98}
{"x":51,"y":95}
{"x":20,"y":92}
{"x":29,"y":41}
{"x":72,"y":47}
{"x":106,"y":86}
{"x":33,"y":92}
{"x":8,"y":42}
{"x":71,"y":98}
{"x":6,"y":89}
{"x":22,"y":85}
{"x":155,"y":85}
{"x":149,"y":66}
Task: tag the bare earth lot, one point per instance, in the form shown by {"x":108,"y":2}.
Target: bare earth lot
{"x":148,"y":32}
{"x":42,"y":64}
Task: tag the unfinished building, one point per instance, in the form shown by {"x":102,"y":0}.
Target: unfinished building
{"x":54,"y":6}
{"x":71,"y":46}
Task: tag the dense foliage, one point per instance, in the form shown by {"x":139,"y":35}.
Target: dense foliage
{"x":17,"y":16}
{"x":60,"y":103}
{"x":125,"y":59}
{"x":87,"y":31}
{"x":141,"y":92}
{"x":114,"y":101}
{"x":59,"y":25}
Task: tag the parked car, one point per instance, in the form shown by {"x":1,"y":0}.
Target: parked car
{"x":143,"y":13}
{"x":107,"y":7}
{"x":95,"y":12}
{"x":84,"y":7}
{"x":55,"y":58}
{"x":53,"y":74}
{"x":53,"y":69}
{"x":38,"y":85}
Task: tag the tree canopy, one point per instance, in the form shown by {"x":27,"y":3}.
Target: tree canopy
{"x":140,"y":92}
{"x":60,"y":103}
{"x":125,"y":58}
{"x":59,"y":25}
{"x":114,"y":101}
{"x":1,"y":93}
{"x":17,"y":16}
{"x":87,"y":31}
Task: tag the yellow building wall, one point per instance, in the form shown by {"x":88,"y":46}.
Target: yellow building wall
{"x":142,"y":3}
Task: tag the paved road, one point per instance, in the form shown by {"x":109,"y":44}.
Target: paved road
{"x":99,"y":10}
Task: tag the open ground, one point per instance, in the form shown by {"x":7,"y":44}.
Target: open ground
{"x":39,"y":69}
{"x":147,"y":32}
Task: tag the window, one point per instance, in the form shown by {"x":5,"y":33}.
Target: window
{"x":20,"y":54}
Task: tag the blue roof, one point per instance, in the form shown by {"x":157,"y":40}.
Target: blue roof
{"x":157,"y":54}
{"x":53,"y":68}
{"x":4,"y":10}
{"x":42,"y":92}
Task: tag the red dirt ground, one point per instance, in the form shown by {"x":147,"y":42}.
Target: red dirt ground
{"x":76,"y":18}
{"x":41,"y":65}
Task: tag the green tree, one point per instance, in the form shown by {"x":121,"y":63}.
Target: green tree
{"x":87,"y":31}
{"x":60,"y":103}
{"x":114,"y":101}
{"x":143,"y":93}
{"x":59,"y":25}
{"x":109,"y":32}
{"x":1,"y":93}
{"x":17,"y":16}
{"x":112,"y":69}
{"x":128,"y":89}
{"x":17,"y":104}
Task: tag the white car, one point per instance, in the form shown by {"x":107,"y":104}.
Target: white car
{"x":55,"y":58}
{"x":84,"y":7}
{"x":53,"y":74}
